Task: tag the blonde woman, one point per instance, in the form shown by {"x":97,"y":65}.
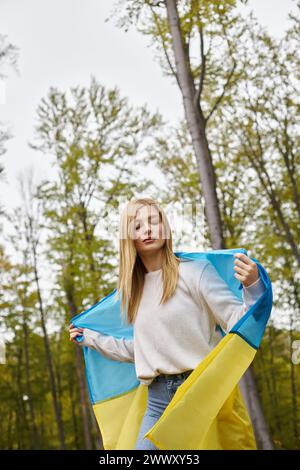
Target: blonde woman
{"x":174,"y":305}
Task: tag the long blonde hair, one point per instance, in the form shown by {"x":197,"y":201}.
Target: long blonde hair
{"x":131,"y":268}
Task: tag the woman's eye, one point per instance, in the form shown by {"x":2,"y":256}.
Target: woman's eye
{"x":153,"y":222}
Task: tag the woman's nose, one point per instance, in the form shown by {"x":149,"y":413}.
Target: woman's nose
{"x":146,"y":230}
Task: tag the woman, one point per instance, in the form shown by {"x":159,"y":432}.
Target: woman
{"x":174,"y":305}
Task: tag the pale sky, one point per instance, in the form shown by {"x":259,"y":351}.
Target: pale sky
{"x":62,"y":43}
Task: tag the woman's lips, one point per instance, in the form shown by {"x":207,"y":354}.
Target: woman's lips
{"x":149,"y":240}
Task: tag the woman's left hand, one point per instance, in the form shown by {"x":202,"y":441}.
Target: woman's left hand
{"x":246,"y":270}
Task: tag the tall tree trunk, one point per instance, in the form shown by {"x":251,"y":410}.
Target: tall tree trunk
{"x":33,"y":427}
{"x":49,"y":361}
{"x":196,"y":124}
{"x":269,"y":391}
{"x":252,"y":400}
{"x":57,"y":371}
{"x":73,"y":411}
{"x":23,"y":427}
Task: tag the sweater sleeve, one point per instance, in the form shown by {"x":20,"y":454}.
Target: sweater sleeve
{"x":220,"y":300}
{"x":252,"y":293}
{"x":117,"y":349}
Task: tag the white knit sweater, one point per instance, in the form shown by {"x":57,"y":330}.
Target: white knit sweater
{"x":177,"y":335}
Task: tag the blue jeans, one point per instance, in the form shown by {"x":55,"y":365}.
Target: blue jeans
{"x":160,"y":393}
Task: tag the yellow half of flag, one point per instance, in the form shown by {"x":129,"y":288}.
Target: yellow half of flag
{"x":206,"y":412}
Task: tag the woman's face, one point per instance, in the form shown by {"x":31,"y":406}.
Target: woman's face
{"x":148,"y":225}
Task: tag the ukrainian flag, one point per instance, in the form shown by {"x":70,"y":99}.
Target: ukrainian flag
{"x":207,"y":411}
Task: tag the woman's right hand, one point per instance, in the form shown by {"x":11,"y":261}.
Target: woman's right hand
{"x":74,"y":332}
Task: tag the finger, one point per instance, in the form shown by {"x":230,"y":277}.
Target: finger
{"x":244,"y":258}
{"x":242,"y":264}
{"x":71,"y":326}
{"x":245,"y":267}
{"x":241,"y":271}
{"x":240,"y":277}
{"x":76,"y":332}
{"x":76,"y":329}
{"x":73,"y":335}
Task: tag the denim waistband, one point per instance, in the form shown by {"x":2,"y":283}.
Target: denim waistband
{"x":180,"y":375}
